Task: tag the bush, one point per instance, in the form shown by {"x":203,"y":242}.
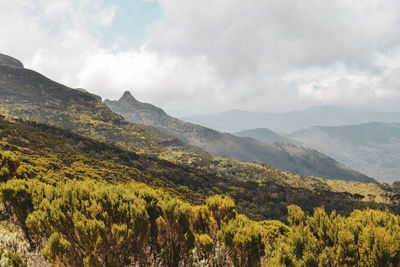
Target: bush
{"x":11,"y":259}
{"x":88,"y":223}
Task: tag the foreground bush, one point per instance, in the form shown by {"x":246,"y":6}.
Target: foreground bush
{"x":365,"y":238}
{"x":88,"y":223}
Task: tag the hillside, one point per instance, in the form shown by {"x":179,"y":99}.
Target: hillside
{"x":295,"y":159}
{"x":48,"y":153}
{"x":371,"y":147}
{"x":265,"y":135}
{"x":28,"y":95}
{"x":237,"y":120}
{"x":73,"y":198}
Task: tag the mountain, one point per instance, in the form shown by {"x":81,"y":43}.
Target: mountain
{"x":28,"y":95}
{"x":373,"y":148}
{"x":265,"y":135}
{"x":237,"y":120}
{"x":281,"y":156}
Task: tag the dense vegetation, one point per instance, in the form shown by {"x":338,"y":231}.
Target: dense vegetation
{"x":79,"y":210}
{"x":87,"y":223}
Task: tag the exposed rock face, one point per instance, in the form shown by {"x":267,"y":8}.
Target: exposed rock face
{"x":10,"y":61}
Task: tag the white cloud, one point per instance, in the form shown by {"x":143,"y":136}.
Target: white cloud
{"x":246,"y":36}
{"x":339,"y":84}
{"x":205,"y":56}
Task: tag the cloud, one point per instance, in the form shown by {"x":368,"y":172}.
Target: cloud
{"x":241,"y":37}
{"x":254,"y":45}
{"x":53,"y":37}
{"x":206,"y":56}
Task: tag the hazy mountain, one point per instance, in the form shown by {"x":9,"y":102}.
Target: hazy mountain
{"x":281,"y":156}
{"x":373,"y":148}
{"x":236,"y":120}
{"x":265,"y":135}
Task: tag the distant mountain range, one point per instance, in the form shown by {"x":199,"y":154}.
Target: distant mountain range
{"x":373,"y":148}
{"x":278,"y":155}
{"x":237,"y":120}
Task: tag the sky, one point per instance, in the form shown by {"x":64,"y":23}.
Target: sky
{"x":198,"y":57}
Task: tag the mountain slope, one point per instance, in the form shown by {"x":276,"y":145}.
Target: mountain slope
{"x":371,"y":147}
{"x":29,"y":95}
{"x":49,"y":154}
{"x":237,"y":120}
{"x":285,"y":157}
{"x":264,"y":135}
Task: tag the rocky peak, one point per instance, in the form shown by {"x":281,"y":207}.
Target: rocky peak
{"x":127,"y":97}
{"x":10,"y":61}
{"x":128,"y":104}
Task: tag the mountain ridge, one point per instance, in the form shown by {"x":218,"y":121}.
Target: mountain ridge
{"x":227,"y":145}
{"x":287,"y":122}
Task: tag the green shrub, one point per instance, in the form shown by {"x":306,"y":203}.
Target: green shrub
{"x":8,"y":165}
{"x":11,"y":258}
{"x":89,"y":223}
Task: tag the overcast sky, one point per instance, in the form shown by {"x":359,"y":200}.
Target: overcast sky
{"x":206,"y":56}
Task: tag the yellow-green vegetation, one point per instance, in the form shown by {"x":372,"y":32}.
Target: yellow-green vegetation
{"x":8,"y":165}
{"x":88,"y":223}
{"x":51,"y":154}
{"x":370,"y":192}
{"x":365,"y":238}
{"x":224,"y":167}
{"x":10,"y":258}
{"x":73,"y":201}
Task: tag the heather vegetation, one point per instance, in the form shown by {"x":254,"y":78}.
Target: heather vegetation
{"x":88,"y":223}
{"x":70,"y":209}
{"x":52,"y":154}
